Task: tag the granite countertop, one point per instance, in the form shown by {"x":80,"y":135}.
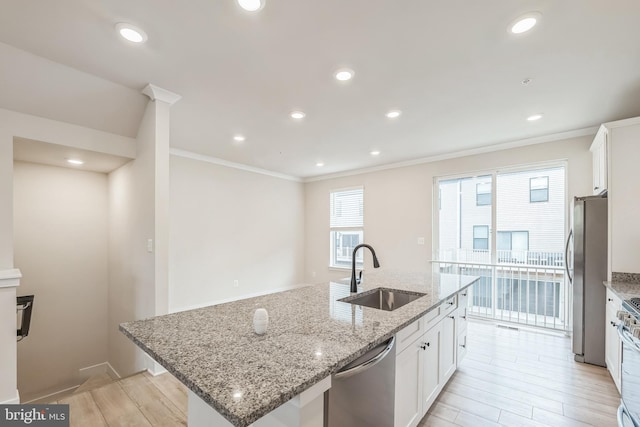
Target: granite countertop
{"x":625,"y":285}
{"x":215,"y":352}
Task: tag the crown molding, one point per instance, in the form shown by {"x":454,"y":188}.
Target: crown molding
{"x":156,"y":93}
{"x":216,"y":161}
{"x":446,"y":156}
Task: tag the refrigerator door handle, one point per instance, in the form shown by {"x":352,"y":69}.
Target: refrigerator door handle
{"x":566,"y":256}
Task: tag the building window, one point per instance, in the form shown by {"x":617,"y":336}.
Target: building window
{"x":539,"y":189}
{"x":346,"y":226}
{"x":483,"y":194}
{"x":481,"y":237}
{"x":512,"y":246}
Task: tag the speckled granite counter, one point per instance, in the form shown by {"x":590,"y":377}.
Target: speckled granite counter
{"x":215,"y":352}
{"x":625,"y":285}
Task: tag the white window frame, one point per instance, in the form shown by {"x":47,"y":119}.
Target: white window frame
{"x":347,"y":229}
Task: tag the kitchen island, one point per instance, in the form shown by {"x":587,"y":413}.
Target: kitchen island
{"x":244,"y":377}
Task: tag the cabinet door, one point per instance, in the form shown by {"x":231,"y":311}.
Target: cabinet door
{"x":447,"y":349}
{"x":599,"y":154}
{"x":612,"y":340}
{"x":408,"y":401}
{"x":431,"y":368}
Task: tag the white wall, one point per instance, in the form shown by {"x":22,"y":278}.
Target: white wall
{"x":398,"y":203}
{"x":60,"y":228}
{"x":131,"y":266}
{"x":228,"y":224}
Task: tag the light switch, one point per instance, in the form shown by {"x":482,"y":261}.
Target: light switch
{"x":421,"y":240}
{"x":150,"y":245}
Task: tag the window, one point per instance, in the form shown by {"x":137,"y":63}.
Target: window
{"x":481,"y":237}
{"x":513,"y":240}
{"x":539,"y":189}
{"x":483,"y":194}
{"x":346,"y":222}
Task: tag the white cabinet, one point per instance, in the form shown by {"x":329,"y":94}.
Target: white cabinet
{"x":431,"y":380}
{"x":447,"y":348}
{"x":624,"y":203}
{"x":613,"y":349}
{"x":408,"y":397}
{"x":424,"y":366}
{"x":600,"y":155}
{"x":461,"y":327}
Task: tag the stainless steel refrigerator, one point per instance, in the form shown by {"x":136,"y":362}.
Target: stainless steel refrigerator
{"x":589,"y":271}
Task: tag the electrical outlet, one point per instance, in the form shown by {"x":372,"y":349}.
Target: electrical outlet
{"x":236,"y":283}
{"x":150,"y":245}
{"x":421,"y":240}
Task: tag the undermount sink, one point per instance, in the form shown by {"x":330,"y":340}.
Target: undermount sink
{"x":383,"y":299}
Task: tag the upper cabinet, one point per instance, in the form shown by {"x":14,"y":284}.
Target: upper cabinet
{"x":616,"y":154}
{"x":600,"y":160}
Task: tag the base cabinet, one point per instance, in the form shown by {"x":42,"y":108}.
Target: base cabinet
{"x":613,"y":346}
{"x":408,"y":404}
{"x":424,"y":366}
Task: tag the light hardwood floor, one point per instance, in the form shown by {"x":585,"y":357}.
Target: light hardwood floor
{"x":523,"y":378}
{"x":509,"y":378}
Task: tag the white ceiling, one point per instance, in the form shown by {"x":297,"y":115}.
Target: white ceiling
{"x":450,"y":66}
{"x":29,"y":150}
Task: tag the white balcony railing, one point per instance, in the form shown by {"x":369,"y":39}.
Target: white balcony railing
{"x":528,"y":294}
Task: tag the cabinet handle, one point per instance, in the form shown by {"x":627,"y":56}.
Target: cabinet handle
{"x":463,"y":317}
{"x":452,"y":317}
{"x":450,"y":302}
{"x":463,"y":346}
{"x":464,"y":295}
{"x":610,"y":299}
{"x":613,"y":324}
{"x":425,"y":345}
{"x":595,"y":188}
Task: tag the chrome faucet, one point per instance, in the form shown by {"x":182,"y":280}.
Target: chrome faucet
{"x":376,"y":264}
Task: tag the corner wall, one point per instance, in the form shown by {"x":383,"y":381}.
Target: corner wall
{"x":131,"y":294}
{"x":398,"y":203}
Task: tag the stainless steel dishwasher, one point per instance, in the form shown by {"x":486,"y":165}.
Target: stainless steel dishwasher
{"x":362,"y":394}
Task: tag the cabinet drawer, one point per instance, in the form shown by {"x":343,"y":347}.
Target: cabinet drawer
{"x":613,"y":302}
{"x":461,"y":319}
{"x":409,"y":334}
{"x":463,"y":298}
{"x":449,"y":305}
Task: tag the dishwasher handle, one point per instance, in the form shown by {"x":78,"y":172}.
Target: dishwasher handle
{"x":369,"y":363}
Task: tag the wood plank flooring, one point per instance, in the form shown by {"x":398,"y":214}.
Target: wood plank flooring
{"x":140,"y":400}
{"x":523,"y":378}
{"x":509,"y":378}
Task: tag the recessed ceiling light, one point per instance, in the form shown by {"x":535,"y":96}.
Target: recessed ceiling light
{"x":131,"y":33}
{"x":344,"y":74}
{"x":394,"y":114}
{"x":525,"y":23}
{"x":375,"y":153}
{"x":297,"y":115}
{"x":251,"y":5}
{"x":319,"y":164}
{"x":526,"y":81}
{"x":534,"y":117}
{"x":238,"y":138}
{"x":75,"y":161}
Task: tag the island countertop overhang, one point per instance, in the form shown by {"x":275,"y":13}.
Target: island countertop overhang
{"x":311,"y":335}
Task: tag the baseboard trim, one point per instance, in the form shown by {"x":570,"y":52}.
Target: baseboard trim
{"x":153,"y":367}
{"x":54,"y":395}
{"x":97,"y":369}
{"x":14,"y":401}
